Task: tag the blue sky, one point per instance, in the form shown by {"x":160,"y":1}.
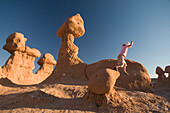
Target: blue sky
{"x":108,"y":24}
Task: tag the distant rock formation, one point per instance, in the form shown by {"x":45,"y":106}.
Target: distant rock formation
{"x":162,"y":80}
{"x":160,"y":72}
{"x":70,"y":69}
{"x":138,"y":78}
{"x":20,"y":64}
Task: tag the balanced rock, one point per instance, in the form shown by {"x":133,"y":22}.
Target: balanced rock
{"x":73,"y":25}
{"x":20,"y":64}
{"x":70,"y":69}
{"x":103,"y":81}
{"x":138,"y":78}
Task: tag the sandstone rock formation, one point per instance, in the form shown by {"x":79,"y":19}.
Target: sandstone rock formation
{"x":162,"y":80}
{"x":103,"y":81}
{"x":20,"y":64}
{"x":138,"y":78}
{"x":160,"y":72}
{"x":70,"y":69}
{"x":47,"y":62}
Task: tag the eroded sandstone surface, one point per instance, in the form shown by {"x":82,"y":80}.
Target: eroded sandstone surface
{"x":20,"y":64}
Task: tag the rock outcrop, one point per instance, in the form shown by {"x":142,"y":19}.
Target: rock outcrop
{"x":138,"y":78}
{"x":20,"y":64}
{"x":70,"y":69}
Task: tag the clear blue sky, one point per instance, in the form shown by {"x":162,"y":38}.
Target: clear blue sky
{"x":108,"y":24}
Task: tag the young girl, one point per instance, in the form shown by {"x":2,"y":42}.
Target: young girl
{"x":121,"y":57}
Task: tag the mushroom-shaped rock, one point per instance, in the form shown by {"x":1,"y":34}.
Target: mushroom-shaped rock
{"x":167,"y":69}
{"x":70,"y":69}
{"x":32,"y":52}
{"x":47,"y":59}
{"x":73,"y":25}
{"x":15,"y":42}
{"x":103,"y":81}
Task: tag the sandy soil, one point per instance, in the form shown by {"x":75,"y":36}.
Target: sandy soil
{"x":50,"y":98}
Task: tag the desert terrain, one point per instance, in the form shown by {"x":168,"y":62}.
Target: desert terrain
{"x":69,"y":85}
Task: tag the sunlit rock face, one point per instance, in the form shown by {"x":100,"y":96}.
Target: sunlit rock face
{"x":20,"y":64}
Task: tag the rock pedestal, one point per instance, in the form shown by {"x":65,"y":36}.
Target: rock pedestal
{"x":70,"y":69}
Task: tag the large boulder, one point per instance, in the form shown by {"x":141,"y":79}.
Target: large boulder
{"x":138,"y":78}
{"x":103,"y":81}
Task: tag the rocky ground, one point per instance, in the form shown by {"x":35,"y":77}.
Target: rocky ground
{"x":49,"y":98}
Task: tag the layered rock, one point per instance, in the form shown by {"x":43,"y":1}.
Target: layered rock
{"x":138,"y":78}
{"x":70,"y":69}
{"x":20,"y":64}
